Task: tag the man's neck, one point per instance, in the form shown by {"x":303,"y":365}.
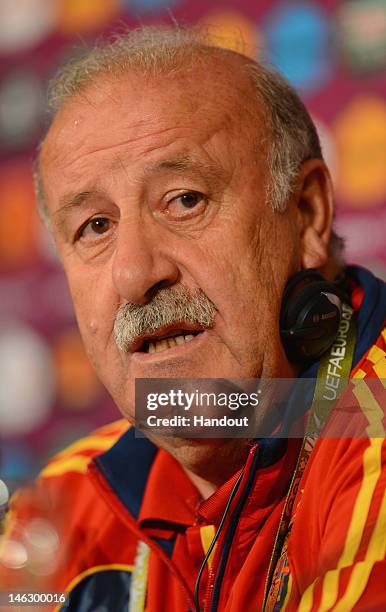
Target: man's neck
{"x":204,"y":487}
{"x":228,"y":459}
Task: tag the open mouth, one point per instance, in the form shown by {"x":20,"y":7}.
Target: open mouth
{"x":158,"y":343}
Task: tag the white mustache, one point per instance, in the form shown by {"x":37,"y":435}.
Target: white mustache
{"x":167,"y":307}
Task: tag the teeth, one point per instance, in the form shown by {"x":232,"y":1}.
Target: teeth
{"x":162,"y":345}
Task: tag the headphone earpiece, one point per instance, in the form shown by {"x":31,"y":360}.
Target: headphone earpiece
{"x":310,"y":315}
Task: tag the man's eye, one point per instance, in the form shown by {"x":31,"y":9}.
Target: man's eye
{"x":99,"y":225}
{"x":190,"y":200}
{"x":186,"y":204}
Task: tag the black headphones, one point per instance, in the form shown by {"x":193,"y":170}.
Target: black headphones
{"x":310,"y":315}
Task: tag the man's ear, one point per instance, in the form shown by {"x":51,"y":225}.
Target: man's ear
{"x":315,"y":208}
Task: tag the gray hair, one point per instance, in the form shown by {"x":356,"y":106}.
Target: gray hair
{"x":166,"y":307}
{"x":163,"y":50}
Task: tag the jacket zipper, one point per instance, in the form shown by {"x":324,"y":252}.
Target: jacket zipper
{"x":215,"y":581}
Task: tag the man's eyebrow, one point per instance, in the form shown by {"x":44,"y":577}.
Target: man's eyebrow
{"x":73,"y":200}
{"x":186,"y":163}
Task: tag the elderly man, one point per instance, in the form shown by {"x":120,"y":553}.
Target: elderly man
{"x":191,"y":207}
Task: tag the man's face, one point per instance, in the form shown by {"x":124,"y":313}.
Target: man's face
{"x":161,"y":183}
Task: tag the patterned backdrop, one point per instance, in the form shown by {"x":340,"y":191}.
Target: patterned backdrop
{"x":333,"y":52}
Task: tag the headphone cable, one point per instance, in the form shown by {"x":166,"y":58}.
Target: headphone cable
{"x":213,"y":542}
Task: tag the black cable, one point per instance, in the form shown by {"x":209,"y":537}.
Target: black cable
{"x":213,"y":542}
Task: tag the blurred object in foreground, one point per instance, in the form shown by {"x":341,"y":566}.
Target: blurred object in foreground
{"x":26,"y":379}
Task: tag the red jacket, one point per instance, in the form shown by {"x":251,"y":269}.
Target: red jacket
{"x":131,"y":525}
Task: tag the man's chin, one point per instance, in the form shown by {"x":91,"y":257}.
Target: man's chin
{"x":209,"y":463}
{"x":170,"y":442}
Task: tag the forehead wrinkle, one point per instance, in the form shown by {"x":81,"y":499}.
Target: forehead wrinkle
{"x":184,"y":163}
{"x":59,"y":156}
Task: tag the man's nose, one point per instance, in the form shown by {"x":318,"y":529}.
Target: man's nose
{"x":140,"y":265}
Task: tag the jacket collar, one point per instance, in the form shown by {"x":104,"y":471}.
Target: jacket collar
{"x":125,"y":466}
